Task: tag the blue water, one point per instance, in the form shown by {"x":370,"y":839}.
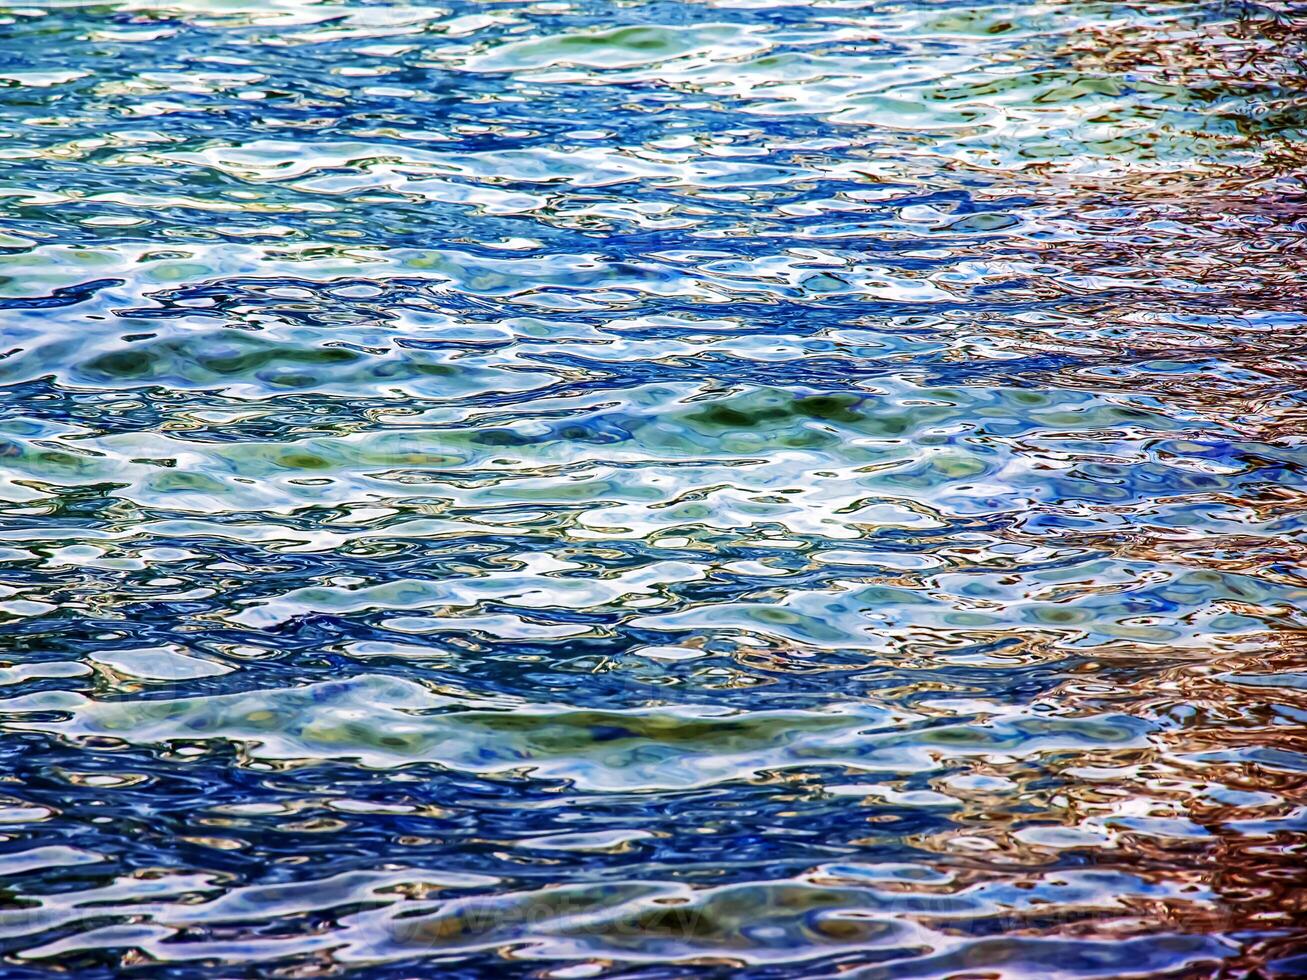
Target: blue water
{"x":652,"y":489}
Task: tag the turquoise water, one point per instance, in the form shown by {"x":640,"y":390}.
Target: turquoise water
{"x":652,"y":489}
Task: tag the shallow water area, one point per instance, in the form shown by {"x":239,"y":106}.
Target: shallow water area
{"x":652,"y":489}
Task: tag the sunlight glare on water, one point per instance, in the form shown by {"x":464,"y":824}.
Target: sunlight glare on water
{"x":652,"y":488}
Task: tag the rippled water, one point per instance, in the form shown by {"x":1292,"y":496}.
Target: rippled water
{"x":653,"y":488}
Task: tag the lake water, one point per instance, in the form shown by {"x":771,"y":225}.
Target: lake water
{"x":653,"y":489}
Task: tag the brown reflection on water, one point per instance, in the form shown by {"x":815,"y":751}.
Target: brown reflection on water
{"x":1230,"y":773}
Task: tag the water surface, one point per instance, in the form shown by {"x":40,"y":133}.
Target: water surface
{"x":652,"y":489}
